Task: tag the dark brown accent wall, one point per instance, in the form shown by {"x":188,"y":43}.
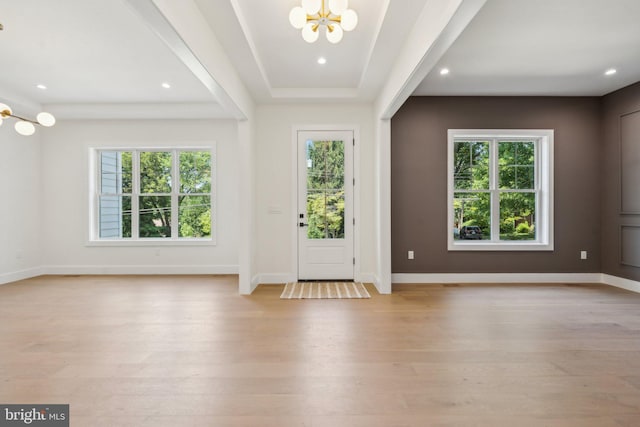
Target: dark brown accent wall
{"x":419,"y":181}
{"x":614,"y":106}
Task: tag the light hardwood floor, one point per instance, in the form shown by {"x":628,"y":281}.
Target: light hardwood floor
{"x":189,"y":351}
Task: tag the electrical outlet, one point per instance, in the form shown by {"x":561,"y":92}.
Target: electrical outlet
{"x":410,"y":254}
{"x":583,"y":254}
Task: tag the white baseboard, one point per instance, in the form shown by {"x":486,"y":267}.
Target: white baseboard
{"x":418,"y":278}
{"x":273,"y":279}
{"x":619,"y":282}
{"x":425,"y":278}
{"x":14,"y":276}
{"x":255,"y":281}
{"x":139,"y":269}
{"x":371,"y":278}
{"x":280,"y":278}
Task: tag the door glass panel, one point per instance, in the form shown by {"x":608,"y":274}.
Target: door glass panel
{"x":325,"y":189}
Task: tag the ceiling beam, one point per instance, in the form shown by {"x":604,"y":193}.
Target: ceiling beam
{"x":183,"y":28}
{"x":437,"y":27}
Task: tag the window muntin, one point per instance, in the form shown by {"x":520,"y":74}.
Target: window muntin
{"x":501,"y":182}
{"x":516,"y":164}
{"x":154,"y":194}
{"x":471,"y":165}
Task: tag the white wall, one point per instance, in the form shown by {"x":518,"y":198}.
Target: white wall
{"x":274,"y":186}
{"x":20,"y":197}
{"x":65,"y":202}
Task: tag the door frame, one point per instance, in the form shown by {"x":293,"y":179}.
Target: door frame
{"x":294,"y":192}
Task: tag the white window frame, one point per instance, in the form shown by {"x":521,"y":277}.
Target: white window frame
{"x":543,"y":189}
{"x":135,"y":240}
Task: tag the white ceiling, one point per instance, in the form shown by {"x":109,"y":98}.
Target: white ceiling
{"x":96,"y":52}
{"x":542,"y":47}
{"x":276,"y":63}
{"x":88,"y":51}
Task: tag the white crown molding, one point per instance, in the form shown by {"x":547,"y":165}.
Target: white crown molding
{"x":139,"y":111}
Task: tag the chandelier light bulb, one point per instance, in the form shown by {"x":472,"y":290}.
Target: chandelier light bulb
{"x":298,"y":17}
{"x":337,"y":7}
{"x":311,"y":6}
{"x":313,"y":14}
{"x":46,"y":119}
{"x":24,"y":128}
{"x":5,"y":110}
{"x":334,"y":36}
{"x":349,"y":20}
{"x":308,"y":34}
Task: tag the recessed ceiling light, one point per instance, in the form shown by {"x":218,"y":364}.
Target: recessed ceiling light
{"x":610,"y":72}
{"x":166,"y":85}
{"x":322,"y":60}
{"x":444,"y":71}
{"x":41,"y":86}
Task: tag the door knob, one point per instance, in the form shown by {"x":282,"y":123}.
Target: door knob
{"x":302,"y":224}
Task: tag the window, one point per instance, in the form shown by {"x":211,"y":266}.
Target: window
{"x":153,"y":195}
{"x":500,"y":190}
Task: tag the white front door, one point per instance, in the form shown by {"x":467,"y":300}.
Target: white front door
{"x":325,"y":205}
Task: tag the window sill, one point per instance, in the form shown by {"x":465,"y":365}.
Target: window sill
{"x":489,"y":246}
{"x":150,"y":243}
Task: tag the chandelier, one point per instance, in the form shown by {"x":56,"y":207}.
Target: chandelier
{"x":314,"y":13}
{"x":26,"y":126}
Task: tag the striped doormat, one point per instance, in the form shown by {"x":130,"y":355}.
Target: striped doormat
{"x":324,"y":290}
